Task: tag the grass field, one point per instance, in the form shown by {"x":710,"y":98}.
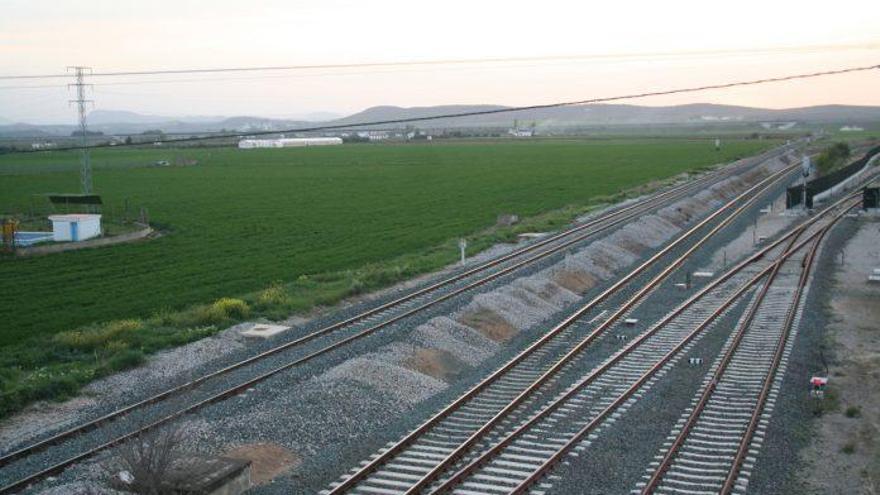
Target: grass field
{"x":282,"y":230}
{"x":242,"y":219}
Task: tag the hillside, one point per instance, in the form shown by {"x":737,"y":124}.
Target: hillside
{"x":125,"y":122}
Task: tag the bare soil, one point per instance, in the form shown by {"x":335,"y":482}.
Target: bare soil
{"x":632,"y":246}
{"x":489,"y":323}
{"x":844,"y":456}
{"x":576,"y":281}
{"x":434,"y":362}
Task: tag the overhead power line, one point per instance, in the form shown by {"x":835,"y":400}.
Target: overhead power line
{"x":485,"y":112}
{"x":872,"y":45}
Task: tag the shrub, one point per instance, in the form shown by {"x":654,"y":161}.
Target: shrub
{"x":831,"y":157}
{"x":230,"y":307}
{"x":90,"y":339}
{"x":124,"y":359}
{"x":274,"y":295}
{"x":849,"y":448}
{"x":149,"y":460}
{"x":853,"y":412}
{"x":356,"y":287}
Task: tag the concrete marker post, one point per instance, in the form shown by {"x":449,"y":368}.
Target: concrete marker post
{"x":462,"y":245}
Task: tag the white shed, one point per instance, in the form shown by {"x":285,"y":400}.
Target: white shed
{"x":75,"y":227}
{"x":288,"y":142}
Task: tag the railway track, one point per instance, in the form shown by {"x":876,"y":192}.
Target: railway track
{"x":519,"y":456}
{"x":414,"y":463}
{"x":710,"y":450}
{"x":342,"y":333}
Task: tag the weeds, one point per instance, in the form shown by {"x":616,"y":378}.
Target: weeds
{"x":230,"y":308}
{"x":99,"y":336}
{"x":148,"y":460}
{"x":829,"y":403}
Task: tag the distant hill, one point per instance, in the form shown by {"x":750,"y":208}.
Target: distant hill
{"x":125,"y":122}
{"x":602,"y":114}
{"x":392,"y":113}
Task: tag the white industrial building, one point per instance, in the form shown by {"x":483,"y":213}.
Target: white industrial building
{"x":75,"y":227}
{"x":288,"y":142}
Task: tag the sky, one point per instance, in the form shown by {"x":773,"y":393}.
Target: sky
{"x":622,"y":47}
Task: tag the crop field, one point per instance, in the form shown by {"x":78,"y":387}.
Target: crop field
{"x":240,"y":220}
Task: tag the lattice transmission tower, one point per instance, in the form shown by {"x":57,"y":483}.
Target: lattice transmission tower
{"x":85,"y":176}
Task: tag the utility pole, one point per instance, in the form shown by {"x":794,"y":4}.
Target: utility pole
{"x":85,"y":176}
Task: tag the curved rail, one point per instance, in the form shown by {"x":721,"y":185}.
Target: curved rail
{"x":746,"y":441}
{"x":709,"y":390}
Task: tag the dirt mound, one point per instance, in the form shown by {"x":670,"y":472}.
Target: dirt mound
{"x":576,"y":281}
{"x":433,"y":362}
{"x":489,"y":323}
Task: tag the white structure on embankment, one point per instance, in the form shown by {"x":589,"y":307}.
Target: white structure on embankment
{"x":246,"y":144}
{"x":75,"y":227}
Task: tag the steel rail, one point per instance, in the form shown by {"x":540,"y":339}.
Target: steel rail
{"x":459,"y":475}
{"x":55,"y":468}
{"x":787,"y":325}
{"x":671,"y":452}
{"x":601,"y":223}
{"x":578,"y":437}
{"x":572,"y":442}
{"x":400,"y":445}
{"x":584,"y":343}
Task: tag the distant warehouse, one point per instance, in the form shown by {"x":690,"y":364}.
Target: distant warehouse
{"x":246,"y":144}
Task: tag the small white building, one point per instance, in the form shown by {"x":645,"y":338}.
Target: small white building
{"x":521,"y":133}
{"x":75,"y":227}
{"x":288,"y":142}
{"x":851,"y":128}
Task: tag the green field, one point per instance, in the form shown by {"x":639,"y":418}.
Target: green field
{"x":264,"y":233}
{"x":240,"y":220}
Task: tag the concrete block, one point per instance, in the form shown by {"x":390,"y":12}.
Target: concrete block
{"x":264,"y":330}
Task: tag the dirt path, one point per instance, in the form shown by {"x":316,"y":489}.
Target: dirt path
{"x":844,"y":456}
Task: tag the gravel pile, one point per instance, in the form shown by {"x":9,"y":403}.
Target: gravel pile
{"x":518,"y":307}
{"x":463,"y":342}
{"x":650,"y":231}
{"x":543,"y":286}
{"x":405,"y":385}
{"x":608,"y":257}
